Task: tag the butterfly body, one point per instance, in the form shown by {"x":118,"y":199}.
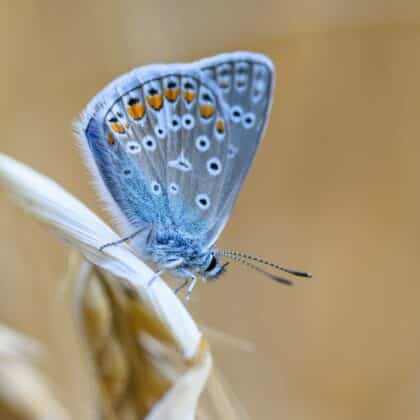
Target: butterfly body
{"x":170,"y":146}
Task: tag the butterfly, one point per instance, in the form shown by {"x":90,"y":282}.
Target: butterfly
{"x":169,"y":147}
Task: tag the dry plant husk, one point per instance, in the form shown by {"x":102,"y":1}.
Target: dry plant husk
{"x":25,"y":392}
{"x":136,"y":359}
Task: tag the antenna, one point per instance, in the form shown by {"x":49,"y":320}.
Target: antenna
{"x":260,"y":270}
{"x":237,"y":255}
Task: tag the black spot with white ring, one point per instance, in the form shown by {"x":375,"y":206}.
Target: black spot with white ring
{"x":174,"y":188}
{"x":248,"y":120}
{"x":149,"y":143}
{"x":232,"y":151}
{"x":214,"y":166}
{"x":202,"y":201}
{"x":202,"y":143}
{"x":156,"y":188}
{"x":188,"y":121}
{"x":236,"y":113}
{"x":175,"y":123}
{"x":133,"y":147}
{"x":160,"y":132}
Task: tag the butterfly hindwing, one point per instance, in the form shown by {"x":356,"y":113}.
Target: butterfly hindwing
{"x":245,"y":81}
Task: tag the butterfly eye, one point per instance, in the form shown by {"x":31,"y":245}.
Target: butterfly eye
{"x":214,"y":166}
{"x":127,"y":172}
{"x":202,"y":201}
{"x":212,"y":265}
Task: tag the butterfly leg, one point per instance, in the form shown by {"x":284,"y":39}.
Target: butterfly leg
{"x":154,"y":277}
{"x":122,"y":240}
{"x":190,"y":289}
{"x":169,"y":266}
{"x":179,"y":288}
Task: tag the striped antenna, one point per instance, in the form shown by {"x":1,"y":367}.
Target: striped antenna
{"x":259,"y":269}
{"x":230,"y":253}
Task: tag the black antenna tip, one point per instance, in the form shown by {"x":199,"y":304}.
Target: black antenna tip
{"x":300,"y":273}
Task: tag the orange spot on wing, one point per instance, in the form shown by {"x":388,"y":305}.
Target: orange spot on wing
{"x":189,"y":96}
{"x":136,"y":111}
{"x":206,"y":111}
{"x":171,"y":94}
{"x":118,"y":128}
{"x":156,"y":102}
{"x":111,"y":139}
{"x":220,"y":126}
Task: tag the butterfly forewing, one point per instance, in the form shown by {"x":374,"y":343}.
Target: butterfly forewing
{"x":157,"y":139}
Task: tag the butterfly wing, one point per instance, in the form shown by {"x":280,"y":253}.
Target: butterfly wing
{"x":155,"y":142}
{"x":245,"y":81}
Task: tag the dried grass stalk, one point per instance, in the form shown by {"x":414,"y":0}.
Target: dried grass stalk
{"x":25,"y":393}
{"x":136,"y":358}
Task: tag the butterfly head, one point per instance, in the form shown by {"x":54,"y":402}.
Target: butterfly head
{"x":212,"y":268}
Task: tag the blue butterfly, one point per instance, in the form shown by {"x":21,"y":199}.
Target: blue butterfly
{"x":170,"y":146}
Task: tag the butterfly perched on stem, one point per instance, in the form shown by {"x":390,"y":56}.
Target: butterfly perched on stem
{"x":170,"y":146}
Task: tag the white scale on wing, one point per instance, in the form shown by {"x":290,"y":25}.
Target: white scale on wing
{"x":181,"y":163}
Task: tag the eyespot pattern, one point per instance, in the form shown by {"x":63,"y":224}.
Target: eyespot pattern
{"x":149,"y":143}
{"x":156,"y":188}
{"x":127,"y":172}
{"x":232,"y":151}
{"x":219,"y":130}
{"x":214,"y":166}
{"x":224,"y":77}
{"x":202,"y":143}
{"x":175,"y":123}
{"x":133,"y":147}
{"x":202,"y":201}
{"x":160,"y":132}
{"x":171,"y":90}
{"x":188,"y":121}
{"x":189,"y":90}
{"x":259,"y":84}
{"x":154,"y":96}
{"x":248,"y":120}
{"x":173,"y":188}
{"x":236,"y":114}
{"x":241,"y":76}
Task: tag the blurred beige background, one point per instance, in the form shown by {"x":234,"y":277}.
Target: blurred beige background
{"x":334,"y":190}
